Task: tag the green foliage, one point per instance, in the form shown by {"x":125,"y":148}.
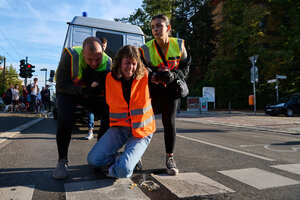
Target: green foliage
{"x":11,"y":77}
{"x":191,"y":20}
{"x":269,"y":29}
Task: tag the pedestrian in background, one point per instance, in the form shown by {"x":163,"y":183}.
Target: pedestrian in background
{"x":90,"y":115}
{"x":8,"y":97}
{"x":45,"y":94}
{"x":15,"y":96}
{"x":33,"y":94}
{"x":168,"y":59}
{"x":132,"y":121}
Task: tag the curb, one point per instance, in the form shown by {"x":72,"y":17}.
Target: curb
{"x":237,"y":126}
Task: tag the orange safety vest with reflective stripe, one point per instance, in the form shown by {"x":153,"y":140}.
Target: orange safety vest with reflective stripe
{"x":138,"y":114}
{"x":78,"y":63}
{"x":173,"y":54}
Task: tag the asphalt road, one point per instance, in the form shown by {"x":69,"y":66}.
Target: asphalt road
{"x":215,"y":162}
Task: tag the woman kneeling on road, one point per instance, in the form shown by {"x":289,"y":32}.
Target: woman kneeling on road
{"x":132,"y":119}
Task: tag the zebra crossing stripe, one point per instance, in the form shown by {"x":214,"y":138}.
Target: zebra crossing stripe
{"x":258,"y":178}
{"x":108,"y":189}
{"x":293,"y":168}
{"x":17,"y":192}
{"x":186,"y":185}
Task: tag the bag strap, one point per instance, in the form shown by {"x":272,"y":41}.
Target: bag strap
{"x":161,"y":54}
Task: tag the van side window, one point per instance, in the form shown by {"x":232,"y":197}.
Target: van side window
{"x":114,"y":42}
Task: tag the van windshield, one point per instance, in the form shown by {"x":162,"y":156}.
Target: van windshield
{"x":114,"y":42}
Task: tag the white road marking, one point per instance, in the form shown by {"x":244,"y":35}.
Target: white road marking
{"x":12,"y":132}
{"x":186,"y":185}
{"x":258,"y":178}
{"x":293,"y":168}
{"x":227,"y":148}
{"x":109,"y":189}
{"x":251,"y":145}
{"x":17,"y":192}
{"x":267,"y":146}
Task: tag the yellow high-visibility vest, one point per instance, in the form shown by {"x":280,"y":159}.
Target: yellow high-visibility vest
{"x":173,"y":54}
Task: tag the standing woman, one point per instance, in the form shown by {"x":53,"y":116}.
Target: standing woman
{"x":168,"y":59}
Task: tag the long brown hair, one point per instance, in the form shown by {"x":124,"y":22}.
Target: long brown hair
{"x":130,"y":52}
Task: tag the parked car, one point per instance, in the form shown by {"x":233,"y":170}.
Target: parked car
{"x":288,"y":105}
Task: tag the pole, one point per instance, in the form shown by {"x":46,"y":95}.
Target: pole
{"x":277,"y":90}
{"x":4,"y":75}
{"x":45,"y":78}
{"x":26,"y":66}
{"x":254,"y":96}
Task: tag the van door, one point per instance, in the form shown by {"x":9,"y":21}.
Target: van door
{"x":114,"y":41}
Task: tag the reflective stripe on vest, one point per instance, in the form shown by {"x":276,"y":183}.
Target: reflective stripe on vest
{"x":78,"y":63}
{"x":173,"y":55}
{"x":138,"y":114}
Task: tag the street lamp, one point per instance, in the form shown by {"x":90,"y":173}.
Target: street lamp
{"x":45,"y":69}
{"x":4,"y":61}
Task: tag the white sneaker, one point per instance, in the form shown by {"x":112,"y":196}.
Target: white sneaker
{"x":89,"y":136}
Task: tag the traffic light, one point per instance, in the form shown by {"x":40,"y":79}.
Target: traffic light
{"x":29,"y":70}
{"x":22,"y":73}
{"x":52,"y":74}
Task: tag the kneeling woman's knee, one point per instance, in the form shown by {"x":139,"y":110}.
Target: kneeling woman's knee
{"x":123,"y":171}
{"x":91,"y":159}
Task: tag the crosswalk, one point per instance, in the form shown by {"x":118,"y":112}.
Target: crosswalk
{"x":185,"y":185}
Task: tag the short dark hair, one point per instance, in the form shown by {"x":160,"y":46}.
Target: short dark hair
{"x":89,"y":42}
{"x":103,"y":40}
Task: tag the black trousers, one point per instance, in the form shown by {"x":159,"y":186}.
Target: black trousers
{"x":164,"y":103}
{"x":32,"y":103}
{"x":66,"y":105}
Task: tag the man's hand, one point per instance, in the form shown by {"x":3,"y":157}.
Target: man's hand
{"x":94,"y":84}
{"x":92,"y":91}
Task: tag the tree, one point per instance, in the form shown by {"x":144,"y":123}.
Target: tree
{"x":11,"y":77}
{"x":193,"y":22}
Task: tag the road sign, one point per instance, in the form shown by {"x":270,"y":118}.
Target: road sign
{"x":280,"y":77}
{"x":254,"y":73}
{"x":253,"y":59}
{"x":272,"y":81}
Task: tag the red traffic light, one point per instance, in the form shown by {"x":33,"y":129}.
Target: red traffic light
{"x":29,"y":66}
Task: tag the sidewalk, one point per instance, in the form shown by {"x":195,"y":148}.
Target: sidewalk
{"x":238,"y":119}
{"x":244,"y":119}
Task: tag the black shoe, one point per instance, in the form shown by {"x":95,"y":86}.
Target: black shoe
{"x":171,"y":166}
{"x":139,"y":166}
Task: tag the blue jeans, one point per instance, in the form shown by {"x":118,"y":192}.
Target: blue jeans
{"x":90,"y":120}
{"x":105,"y":151}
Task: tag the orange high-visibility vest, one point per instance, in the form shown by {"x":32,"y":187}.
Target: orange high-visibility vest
{"x":138,"y":114}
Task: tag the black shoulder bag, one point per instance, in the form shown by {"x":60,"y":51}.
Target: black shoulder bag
{"x":178,"y":86}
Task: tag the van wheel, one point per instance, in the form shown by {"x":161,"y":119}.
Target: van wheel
{"x":289,"y":112}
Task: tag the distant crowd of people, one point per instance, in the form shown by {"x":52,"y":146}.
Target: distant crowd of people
{"x":29,"y":99}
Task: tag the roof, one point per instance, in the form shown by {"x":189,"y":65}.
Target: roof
{"x":106,"y":24}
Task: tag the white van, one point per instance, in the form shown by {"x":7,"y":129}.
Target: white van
{"x":117,"y":34}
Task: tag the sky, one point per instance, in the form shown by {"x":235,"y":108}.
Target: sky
{"x":37,"y":28}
